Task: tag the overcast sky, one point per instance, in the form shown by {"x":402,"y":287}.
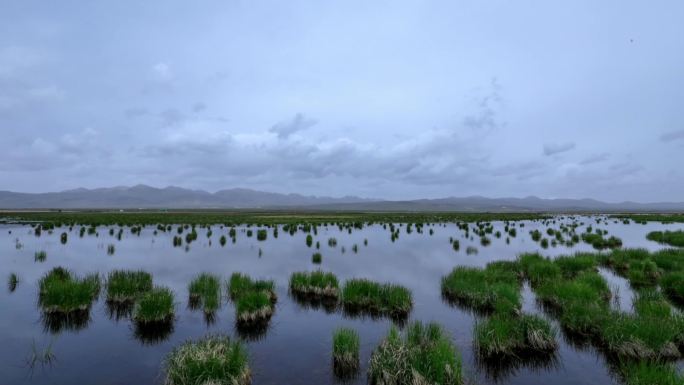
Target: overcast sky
{"x":396,"y":99}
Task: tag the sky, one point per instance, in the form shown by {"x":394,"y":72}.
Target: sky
{"x":379,"y":99}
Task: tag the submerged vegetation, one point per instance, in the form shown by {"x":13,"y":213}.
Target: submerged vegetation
{"x":423,"y":355}
{"x":210,"y":360}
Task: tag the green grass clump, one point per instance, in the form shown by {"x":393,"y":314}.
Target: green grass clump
{"x":155,"y":306}
{"x":317,"y":258}
{"x":210,"y":360}
{"x":345,"y":351}
{"x":40,"y":256}
{"x":315,"y":283}
{"x":127,"y":285}
{"x":539,"y":269}
{"x":262,"y":234}
{"x":254,"y":300}
{"x":502,"y":335}
{"x":425,"y":355}
{"x":571,"y":266}
{"x":672,"y":238}
{"x":383,"y":298}
{"x":61,"y":291}
{"x":649,"y":373}
{"x":205,"y":292}
{"x":643,"y":337}
{"x":240,"y":284}
{"x":599,"y":242}
{"x":253,"y":306}
{"x":12,"y":282}
{"x":483,"y":290}
{"x":673,"y":286}
{"x":651,"y":303}
{"x":588,"y":288}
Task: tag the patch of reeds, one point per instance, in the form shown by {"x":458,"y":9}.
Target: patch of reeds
{"x":502,"y":335}
{"x":205,"y":293}
{"x":382,"y":298}
{"x":63,"y":292}
{"x":210,"y":360}
{"x":127,"y":285}
{"x":315,"y":284}
{"x":345,"y":352}
{"x":423,"y":355}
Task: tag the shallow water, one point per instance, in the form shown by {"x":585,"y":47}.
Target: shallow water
{"x":296,"y":347}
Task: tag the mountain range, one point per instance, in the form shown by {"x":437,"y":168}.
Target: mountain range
{"x":146,"y":197}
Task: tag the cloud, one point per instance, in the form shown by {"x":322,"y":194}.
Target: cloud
{"x":672,"y":135}
{"x":162,"y":71}
{"x":171,"y":116}
{"x":298,"y":123}
{"x":557,"y":148}
{"x":485,"y":116}
{"x":595,"y":158}
{"x":135,"y":112}
{"x":198,"y":107}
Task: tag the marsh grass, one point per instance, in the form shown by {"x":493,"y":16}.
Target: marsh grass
{"x":571,"y":266}
{"x":254,"y":300}
{"x":40,"y":256}
{"x":315,"y":284}
{"x":502,"y":335}
{"x":12,"y":282}
{"x":483,"y":290}
{"x":672,"y":238}
{"x":423,"y":355}
{"x":345,"y":352}
{"x":643,"y":337}
{"x":253,"y":306}
{"x":649,"y":373}
{"x":538,"y":269}
{"x":127,"y":285}
{"x":210,"y":360}
{"x":205,"y":292}
{"x":382,"y":298}
{"x":673,"y":286}
{"x":317,"y":258}
{"x":61,"y":291}
{"x":155,"y":306}
{"x":240,"y":284}
{"x":44,"y":357}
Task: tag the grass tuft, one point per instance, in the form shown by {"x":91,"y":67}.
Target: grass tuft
{"x":424,"y":355}
{"x":211,"y":360}
{"x":127,"y":285}
{"x":502,"y":335}
{"x":315,"y":283}
{"x":205,"y":292}
{"x":383,"y":298}
{"x":60,"y":291}
{"x":345,"y":352}
{"x":155,"y":306}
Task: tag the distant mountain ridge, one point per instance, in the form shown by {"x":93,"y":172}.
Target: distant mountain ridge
{"x":147,"y":197}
